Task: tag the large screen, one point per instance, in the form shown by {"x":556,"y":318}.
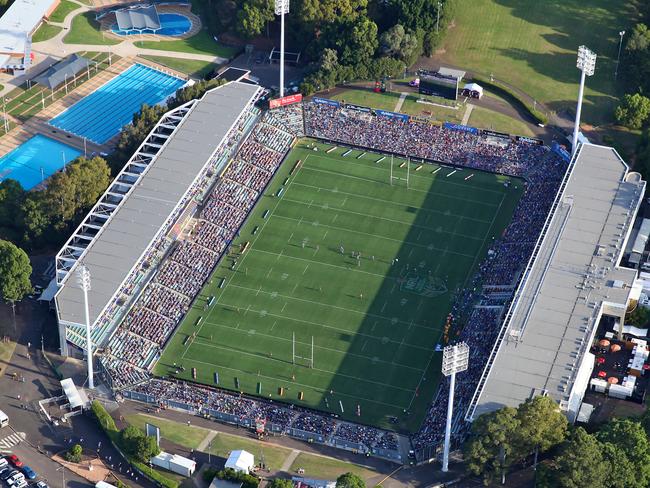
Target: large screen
{"x":439,"y":85}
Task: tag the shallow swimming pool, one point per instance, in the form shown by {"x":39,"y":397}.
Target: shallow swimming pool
{"x":170,"y":25}
{"x":102,"y":114}
{"x":36,"y":160}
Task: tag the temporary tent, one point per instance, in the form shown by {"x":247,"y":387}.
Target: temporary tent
{"x":473,"y":90}
{"x":241,"y":461}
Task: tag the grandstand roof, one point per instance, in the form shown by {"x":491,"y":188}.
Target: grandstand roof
{"x":132,"y":226}
{"x":556,"y":311}
{"x":138,"y":17}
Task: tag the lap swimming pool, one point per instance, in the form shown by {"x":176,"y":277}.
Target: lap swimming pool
{"x":102,"y":114}
{"x":36,"y":160}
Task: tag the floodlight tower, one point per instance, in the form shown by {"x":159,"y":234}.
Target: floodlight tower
{"x":586,"y":64}
{"x":281,"y":8}
{"x":83,"y":276}
{"x":455,"y":359}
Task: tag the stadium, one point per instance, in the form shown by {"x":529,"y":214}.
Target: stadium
{"x":298,"y":270}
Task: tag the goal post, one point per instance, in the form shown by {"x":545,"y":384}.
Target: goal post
{"x":398,"y":178}
{"x":309,"y":360}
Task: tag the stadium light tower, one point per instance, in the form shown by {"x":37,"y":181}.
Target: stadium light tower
{"x":587,"y":65}
{"x":281,"y":8}
{"x":618,"y":57}
{"x":455,"y":359}
{"x":83,"y":276}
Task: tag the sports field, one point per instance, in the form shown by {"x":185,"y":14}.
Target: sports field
{"x":375,"y":316}
{"x":533,"y":45}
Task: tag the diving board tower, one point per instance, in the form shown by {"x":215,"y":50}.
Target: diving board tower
{"x":455,"y":359}
{"x":587,"y":65}
{"x":281,"y":8}
{"x":83,"y":276}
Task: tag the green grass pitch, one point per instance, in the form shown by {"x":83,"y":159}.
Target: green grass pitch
{"x":376,"y":320}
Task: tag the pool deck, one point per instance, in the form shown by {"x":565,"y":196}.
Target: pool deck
{"x":38,"y":124}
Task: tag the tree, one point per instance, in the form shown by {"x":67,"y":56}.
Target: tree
{"x":579,"y":464}
{"x":356,"y":41}
{"x":397,"y":42}
{"x":350,"y":480}
{"x":542,"y":425}
{"x":33,"y":219}
{"x":621,"y":471}
{"x":73,"y":454}
{"x":630,"y":437}
{"x":253,"y":17}
{"x":491,"y":448}
{"x":130,"y":438}
{"x":90,"y":178}
{"x":59,"y":199}
{"x":640,"y":316}
{"x":15,"y":271}
{"x":280,"y":483}
{"x":633,"y":111}
{"x":325,"y":11}
{"x":329,"y":60}
{"x":147,"y":447}
{"x":12,"y":196}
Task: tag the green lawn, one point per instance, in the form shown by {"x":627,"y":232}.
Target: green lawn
{"x":45,"y":32}
{"x":64,"y":8}
{"x":6,"y":351}
{"x":85,"y":30}
{"x":273,"y":455}
{"x":532,"y":45}
{"x":487,"y":119}
{"x":368,"y":98}
{"x":319,"y":467}
{"x":376,"y":320}
{"x":440,"y":114}
{"x":185,"y":435}
{"x":201,"y":43}
{"x":191,"y":67}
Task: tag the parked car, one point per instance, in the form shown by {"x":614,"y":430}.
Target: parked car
{"x":5,"y":471}
{"x":29,"y":472}
{"x":15,"y":460}
{"x":3,"y":463}
{"x":19,"y":483}
{"x":15,"y":478}
{"x":42,"y":484}
{"x":7,"y":474}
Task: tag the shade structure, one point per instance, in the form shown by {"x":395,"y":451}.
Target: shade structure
{"x":615,"y":348}
{"x":646,"y":367}
{"x":602,"y":374}
{"x":612,"y":380}
{"x":600,"y":360}
{"x":604,"y":343}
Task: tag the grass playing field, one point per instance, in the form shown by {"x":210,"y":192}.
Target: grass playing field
{"x":533,"y":44}
{"x":375,"y":320}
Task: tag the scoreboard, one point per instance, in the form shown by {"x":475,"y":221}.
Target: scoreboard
{"x":439,"y":85}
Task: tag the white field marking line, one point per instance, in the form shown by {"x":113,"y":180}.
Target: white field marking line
{"x":337,"y":351}
{"x":414,"y":190}
{"x":415,"y":175}
{"x":207,"y":317}
{"x":306,"y":267}
{"x":327,"y":305}
{"x":286,"y":256}
{"x":414,"y":244}
{"x":338,"y":329}
{"x":324,"y":371}
{"x":384,"y":201}
{"x":284,"y":380}
{"x":411,"y":225}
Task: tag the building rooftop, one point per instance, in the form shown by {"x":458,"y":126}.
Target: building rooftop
{"x":18,"y":23}
{"x":556,"y":310}
{"x":132,"y":227}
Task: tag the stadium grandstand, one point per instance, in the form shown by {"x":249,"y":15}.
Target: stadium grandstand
{"x":572,"y":279}
{"x":124,"y":236}
{"x":17,"y":26}
{"x":529,"y":314}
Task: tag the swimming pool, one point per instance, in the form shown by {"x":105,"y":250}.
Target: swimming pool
{"x":35,"y":160}
{"x":103,"y":113}
{"x":170,"y":25}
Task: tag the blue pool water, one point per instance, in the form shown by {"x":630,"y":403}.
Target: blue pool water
{"x":36,"y":159}
{"x":103,"y":113}
{"x":170,"y":25}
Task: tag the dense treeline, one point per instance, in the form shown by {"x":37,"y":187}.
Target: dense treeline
{"x":616,"y":454}
{"x":343,"y":40}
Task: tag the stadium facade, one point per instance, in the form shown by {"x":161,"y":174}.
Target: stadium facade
{"x":572,"y":279}
{"x":121,"y":238}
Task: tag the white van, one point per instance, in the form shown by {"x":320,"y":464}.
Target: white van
{"x":4,"y":420}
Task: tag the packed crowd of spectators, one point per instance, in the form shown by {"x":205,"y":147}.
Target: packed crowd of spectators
{"x":248,"y":174}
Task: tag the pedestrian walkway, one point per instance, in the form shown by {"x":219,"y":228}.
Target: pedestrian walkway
{"x":13,"y":439}
{"x":468,"y":112}
{"x":400,"y":102}
{"x":286,"y":465}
